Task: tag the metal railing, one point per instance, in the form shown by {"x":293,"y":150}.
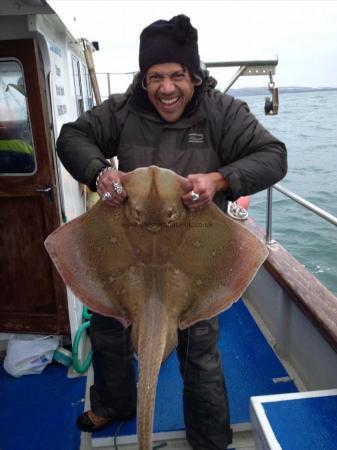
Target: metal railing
{"x":308,"y":205}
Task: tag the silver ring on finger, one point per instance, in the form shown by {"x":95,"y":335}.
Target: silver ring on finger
{"x":106,"y":196}
{"x":117,"y":187}
{"x":194,"y":196}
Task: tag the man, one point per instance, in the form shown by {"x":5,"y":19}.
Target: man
{"x":174,"y":118}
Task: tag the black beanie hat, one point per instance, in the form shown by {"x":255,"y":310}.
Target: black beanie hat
{"x":174,"y":41}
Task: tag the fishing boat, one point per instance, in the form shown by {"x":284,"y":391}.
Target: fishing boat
{"x":278,"y":343}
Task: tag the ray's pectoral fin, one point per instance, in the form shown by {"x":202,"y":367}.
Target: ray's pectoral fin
{"x":153,"y":263}
{"x":82,"y":253}
{"x":221,"y":257}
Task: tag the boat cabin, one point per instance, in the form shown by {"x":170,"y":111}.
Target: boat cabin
{"x":44,"y":82}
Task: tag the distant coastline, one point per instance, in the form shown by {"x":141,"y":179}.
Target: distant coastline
{"x":282,"y":90}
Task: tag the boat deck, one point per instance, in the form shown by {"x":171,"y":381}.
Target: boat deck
{"x":38,"y":412}
{"x":251,"y":369}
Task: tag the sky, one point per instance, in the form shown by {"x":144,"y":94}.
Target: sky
{"x":302,"y":34}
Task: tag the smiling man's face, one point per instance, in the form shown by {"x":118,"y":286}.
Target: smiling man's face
{"x":170,"y":88}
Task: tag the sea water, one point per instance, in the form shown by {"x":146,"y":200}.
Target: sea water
{"x":307,"y":124}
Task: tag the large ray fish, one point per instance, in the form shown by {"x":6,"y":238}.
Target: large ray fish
{"x":153,"y":264}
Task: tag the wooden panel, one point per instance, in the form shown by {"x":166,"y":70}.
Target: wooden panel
{"x":25,"y":267}
{"x":32,"y":295}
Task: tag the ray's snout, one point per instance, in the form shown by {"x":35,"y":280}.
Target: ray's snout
{"x":154,"y":200}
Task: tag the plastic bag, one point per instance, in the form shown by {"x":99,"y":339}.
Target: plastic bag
{"x":29,"y":354}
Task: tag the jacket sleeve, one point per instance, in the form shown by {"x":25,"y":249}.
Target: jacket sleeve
{"x":84,"y":145}
{"x":253,"y":158}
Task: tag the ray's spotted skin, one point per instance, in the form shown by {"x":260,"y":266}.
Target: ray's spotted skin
{"x":154,"y":264}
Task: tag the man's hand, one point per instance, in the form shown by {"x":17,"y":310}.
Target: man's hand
{"x":110,"y":188}
{"x":205,"y":185}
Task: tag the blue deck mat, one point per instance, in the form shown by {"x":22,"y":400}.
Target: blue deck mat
{"x":38,"y":412}
{"x":308,"y":423}
{"x":250,"y":367}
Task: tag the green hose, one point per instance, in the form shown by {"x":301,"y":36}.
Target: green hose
{"x":86,"y":315}
{"x":76,"y":364}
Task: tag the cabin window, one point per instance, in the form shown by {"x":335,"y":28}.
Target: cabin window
{"x":17,"y":156}
{"x":78,"y":85}
{"x":87,"y":88}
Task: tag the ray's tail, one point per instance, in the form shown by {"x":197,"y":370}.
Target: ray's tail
{"x":152,"y":345}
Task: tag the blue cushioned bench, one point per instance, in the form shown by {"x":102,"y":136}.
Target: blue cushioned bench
{"x":297,"y":421}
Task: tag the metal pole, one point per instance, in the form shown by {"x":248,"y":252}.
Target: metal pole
{"x":91,"y":69}
{"x":109,"y":87}
{"x":268,"y":62}
{"x":236,"y":76}
{"x":269,"y":239}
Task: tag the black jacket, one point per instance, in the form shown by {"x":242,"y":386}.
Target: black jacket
{"x":216,"y":133}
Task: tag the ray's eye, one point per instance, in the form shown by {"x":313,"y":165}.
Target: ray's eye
{"x":170,"y":213}
{"x":137,"y":214}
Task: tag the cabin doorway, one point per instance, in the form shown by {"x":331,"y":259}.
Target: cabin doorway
{"x":32,"y":295}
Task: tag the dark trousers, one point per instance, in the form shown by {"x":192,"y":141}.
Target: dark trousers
{"x":205,"y":398}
